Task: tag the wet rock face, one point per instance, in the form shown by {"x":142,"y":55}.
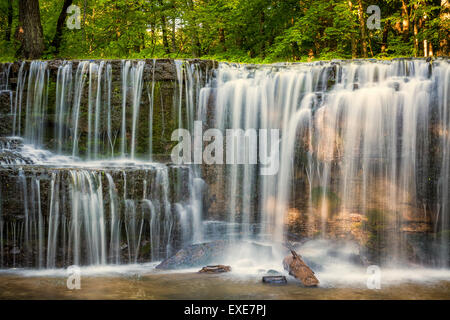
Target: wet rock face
{"x":10,"y":152}
{"x":6,"y":100}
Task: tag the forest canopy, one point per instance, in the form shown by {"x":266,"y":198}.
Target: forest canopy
{"x":234,"y":30}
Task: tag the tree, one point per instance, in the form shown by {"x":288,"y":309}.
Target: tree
{"x":444,"y":19}
{"x":60,"y":24}
{"x":10,"y":20}
{"x":164,"y":27}
{"x":30,"y":30}
{"x":362,"y":25}
{"x":237,"y":30}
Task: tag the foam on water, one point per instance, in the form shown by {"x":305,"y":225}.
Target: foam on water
{"x":332,"y":273}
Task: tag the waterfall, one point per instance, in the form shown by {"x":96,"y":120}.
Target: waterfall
{"x":88,"y":222}
{"x":94,"y":210}
{"x":132,"y":80}
{"x":5,"y":86}
{"x":189,"y":76}
{"x":4,"y":77}
{"x":36,"y":105}
{"x":2,"y":223}
{"x":358,"y":135}
{"x":63,"y":91}
{"x":364,"y":156}
{"x":442,"y":78}
{"x":80,"y":79}
{"x":21,"y":78}
{"x":151,"y":97}
{"x":137,"y":83}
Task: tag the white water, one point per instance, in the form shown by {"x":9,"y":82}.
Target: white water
{"x":87,"y":221}
{"x":365,"y":139}
{"x":365,"y":136}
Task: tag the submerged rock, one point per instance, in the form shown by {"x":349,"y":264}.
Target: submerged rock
{"x":271,"y":271}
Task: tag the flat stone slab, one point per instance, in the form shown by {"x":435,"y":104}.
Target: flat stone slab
{"x":274,"y":280}
{"x":215,"y":269}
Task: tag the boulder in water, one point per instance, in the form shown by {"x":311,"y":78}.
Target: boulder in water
{"x":298,"y":269}
{"x":212,"y":253}
{"x":196,"y":255}
{"x":274,"y":272}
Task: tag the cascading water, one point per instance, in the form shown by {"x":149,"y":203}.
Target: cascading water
{"x":36,"y":104}
{"x":364,"y":155}
{"x":356,"y":141}
{"x":4,"y":84}
{"x":94,"y":196}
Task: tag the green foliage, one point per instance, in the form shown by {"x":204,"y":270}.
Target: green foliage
{"x":7,"y":53}
{"x":258,"y":31}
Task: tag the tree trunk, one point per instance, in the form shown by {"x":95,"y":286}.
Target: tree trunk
{"x":261,"y":33}
{"x":425,"y":41}
{"x":10,"y":19}
{"x":164,"y":34}
{"x":295,"y":51}
{"x":31,"y":29}
{"x":416,"y":40}
{"x":385,"y":37}
{"x":362,"y":24}
{"x":84,"y":21}
{"x":164,"y":29}
{"x":56,"y":43}
{"x":222,"y":38}
{"x":353,"y":40}
{"x":445,"y":34}
{"x":405,"y":23}
{"x":369,"y":43}
{"x":174,"y":41}
{"x":425,"y":48}
{"x":197,"y":47}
